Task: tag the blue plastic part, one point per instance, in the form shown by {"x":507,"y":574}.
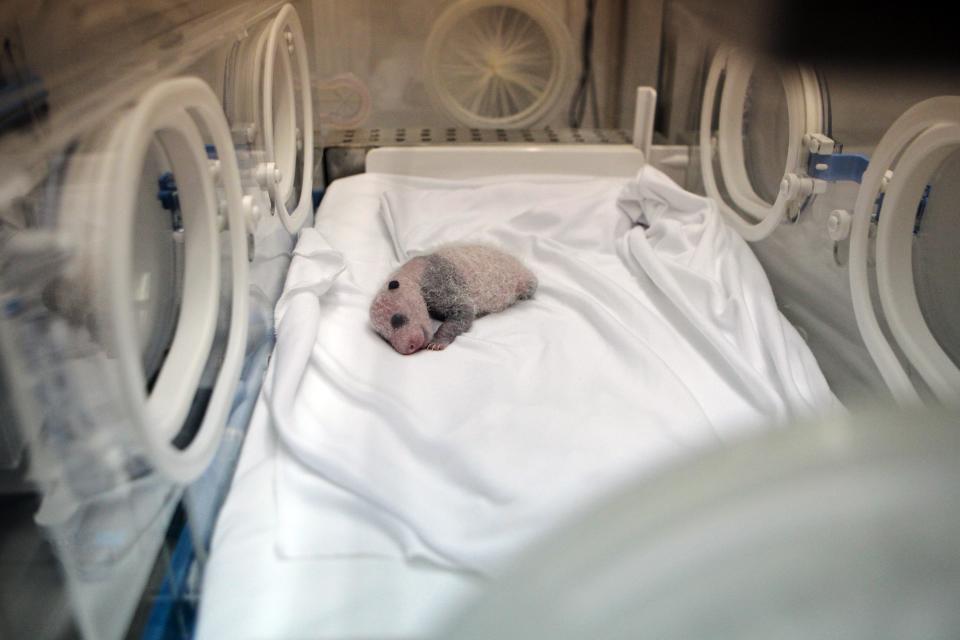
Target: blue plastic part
{"x":317,"y":197}
{"x":167,"y":192}
{"x":166,"y":181}
{"x":921,"y":209}
{"x":877,"y":206}
{"x":840,"y":167}
{"x":23,"y":99}
{"x":12,"y":307}
{"x":173,"y":616}
{"x":211,"y":152}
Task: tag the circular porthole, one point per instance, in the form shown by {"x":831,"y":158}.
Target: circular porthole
{"x":498,"y":63}
{"x":267,"y":99}
{"x":754,"y":123}
{"x":140,"y":206}
{"x":916,"y":168}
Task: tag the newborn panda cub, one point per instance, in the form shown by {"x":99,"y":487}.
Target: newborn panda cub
{"x":455,"y":284}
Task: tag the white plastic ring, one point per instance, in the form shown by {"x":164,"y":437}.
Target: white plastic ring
{"x":914,"y":122}
{"x":896,"y":288}
{"x":245,"y":71}
{"x":730,"y":136}
{"x":287,"y":21}
{"x":180,"y":374}
{"x":755,"y":219}
{"x":284,"y":125}
{"x":109,"y":181}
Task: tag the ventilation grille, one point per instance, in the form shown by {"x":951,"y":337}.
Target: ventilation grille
{"x":411,"y":136}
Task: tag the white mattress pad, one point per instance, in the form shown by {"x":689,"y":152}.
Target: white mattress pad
{"x":641,"y":345}
{"x":654,"y":333}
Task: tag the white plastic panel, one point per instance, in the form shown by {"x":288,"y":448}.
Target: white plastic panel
{"x":459,"y":162}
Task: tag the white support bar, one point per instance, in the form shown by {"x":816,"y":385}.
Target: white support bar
{"x":643,"y":119}
{"x":473,"y":161}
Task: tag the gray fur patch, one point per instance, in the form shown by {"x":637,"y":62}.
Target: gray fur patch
{"x":444,"y":289}
{"x":528,"y":291}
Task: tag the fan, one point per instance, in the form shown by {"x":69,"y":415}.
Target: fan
{"x":498,"y":63}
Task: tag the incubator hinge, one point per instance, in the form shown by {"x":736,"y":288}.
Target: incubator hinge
{"x":878,"y":201}
{"x":819,"y":143}
{"x":827,"y":162}
{"x":837,"y":167}
{"x":798,"y":190}
{"x":921,"y":205}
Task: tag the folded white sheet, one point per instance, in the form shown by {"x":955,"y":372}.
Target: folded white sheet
{"x":248,"y":592}
{"x":638,"y":347}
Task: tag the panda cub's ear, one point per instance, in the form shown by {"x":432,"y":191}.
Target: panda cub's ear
{"x":393,"y":284}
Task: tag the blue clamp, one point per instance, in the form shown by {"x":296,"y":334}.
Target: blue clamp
{"x":918,"y":218}
{"x":23,"y":99}
{"x":921,"y":209}
{"x":167,"y":193}
{"x":838,"y":167}
{"x":211,"y":151}
{"x":12,"y":307}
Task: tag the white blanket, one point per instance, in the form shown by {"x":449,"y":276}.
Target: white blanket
{"x":640,"y":346}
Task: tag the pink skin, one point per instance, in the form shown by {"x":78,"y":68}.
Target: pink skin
{"x":405,"y":299}
{"x":409,"y":339}
{"x":494,"y":281}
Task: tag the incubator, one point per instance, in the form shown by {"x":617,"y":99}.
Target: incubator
{"x":746,"y":254}
{"x":147,"y":229}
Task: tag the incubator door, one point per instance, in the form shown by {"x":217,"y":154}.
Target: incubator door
{"x":758,"y":123}
{"x":125,"y":327}
{"x":141,"y":209}
{"x":268,"y":104}
{"x":903,"y":249}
